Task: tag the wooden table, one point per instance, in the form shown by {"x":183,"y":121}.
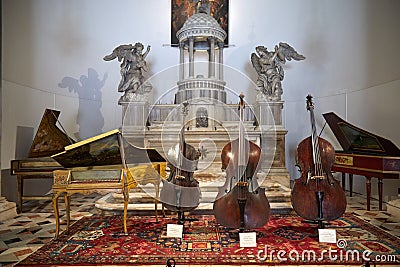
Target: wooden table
{"x":89,"y":180}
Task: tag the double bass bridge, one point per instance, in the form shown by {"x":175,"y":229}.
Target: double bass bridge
{"x":315,"y":177}
{"x":242,"y":184}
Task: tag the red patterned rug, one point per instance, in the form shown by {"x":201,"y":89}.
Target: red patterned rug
{"x":285,"y":239}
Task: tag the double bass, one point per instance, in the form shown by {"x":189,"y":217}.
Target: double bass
{"x":240,"y":202}
{"x":317,"y":195}
{"x":180,"y":191}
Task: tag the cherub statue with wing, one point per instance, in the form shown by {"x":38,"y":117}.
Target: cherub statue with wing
{"x":132,"y":66}
{"x":269,"y":66}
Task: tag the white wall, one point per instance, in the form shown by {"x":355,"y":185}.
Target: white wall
{"x":352,"y":65}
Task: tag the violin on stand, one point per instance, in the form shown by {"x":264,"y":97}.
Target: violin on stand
{"x":317,"y":195}
{"x":180,"y":191}
{"x":240,"y":202}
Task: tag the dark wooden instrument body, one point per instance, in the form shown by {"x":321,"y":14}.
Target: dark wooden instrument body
{"x":181,"y":191}
{"x":237,"y":193}
{"x":304,"y":201}
{"x":317,"y":195}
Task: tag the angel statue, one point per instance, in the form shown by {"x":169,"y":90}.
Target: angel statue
{"x":269,"y":66}
{"x":132,"y":66}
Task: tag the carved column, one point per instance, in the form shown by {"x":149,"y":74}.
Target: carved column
{"x":191,"y":57}
{"x":211,"y":68}
{"x":221,"y":60}
{"x":181,"y":61}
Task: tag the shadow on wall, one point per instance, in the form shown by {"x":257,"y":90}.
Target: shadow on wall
{"x":88,"y":88}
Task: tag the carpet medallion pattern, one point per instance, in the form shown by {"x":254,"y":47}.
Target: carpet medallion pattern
{"x":285,"y":239}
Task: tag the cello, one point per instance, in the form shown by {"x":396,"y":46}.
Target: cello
{"x":180,"y":191}
{"x":316,"y":194}
{"x":240,"y":203}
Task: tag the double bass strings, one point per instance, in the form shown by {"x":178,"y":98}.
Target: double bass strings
{"x":318,"y":170}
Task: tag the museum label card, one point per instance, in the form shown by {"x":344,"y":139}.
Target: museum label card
{"x":174,"y":230}
{"x":247,"y":240}
{"x":327,"y":235}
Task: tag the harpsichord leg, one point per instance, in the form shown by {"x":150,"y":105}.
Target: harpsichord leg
{"x":56,"y":212}
{"x":67,"y":200}
{"x":368,"y":187}
{"x":380,"y":192}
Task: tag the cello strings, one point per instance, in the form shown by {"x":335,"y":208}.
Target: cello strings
{"x":317,"y":154}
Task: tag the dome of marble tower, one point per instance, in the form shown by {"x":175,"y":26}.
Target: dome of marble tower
{"x":201,"y":25}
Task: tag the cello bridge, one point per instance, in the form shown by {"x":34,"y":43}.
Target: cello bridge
{"x":179,"y":177}
{"x":315,"y":177}
{"x":244,"y":184}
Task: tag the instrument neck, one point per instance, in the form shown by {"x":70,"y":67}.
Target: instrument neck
{"x":182,"y":146}
{"x":242,"y":159}
{"x":315,"y":146}
{"x":241,"y":148}
{"x":182,"y":143}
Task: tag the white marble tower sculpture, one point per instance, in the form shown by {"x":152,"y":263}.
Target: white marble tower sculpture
{"x":201,"y":33}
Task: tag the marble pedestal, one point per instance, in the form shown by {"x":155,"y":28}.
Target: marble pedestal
{"x":269,"y":114}
{"x":134,"y":119}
